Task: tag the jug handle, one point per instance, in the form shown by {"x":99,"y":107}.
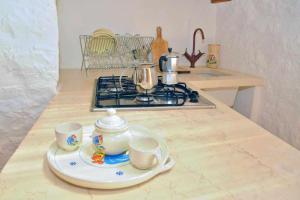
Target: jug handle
{"x":161,"y":60}
{"x":121,"y":76}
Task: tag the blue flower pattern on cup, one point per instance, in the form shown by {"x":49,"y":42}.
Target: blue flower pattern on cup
{"x":72,"y":140}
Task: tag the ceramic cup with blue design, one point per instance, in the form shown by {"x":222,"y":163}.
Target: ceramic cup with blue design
{"x":68,"y":136}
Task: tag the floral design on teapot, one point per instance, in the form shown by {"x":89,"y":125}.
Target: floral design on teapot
{"x":98,"y":156}
{"x":97,"y":141}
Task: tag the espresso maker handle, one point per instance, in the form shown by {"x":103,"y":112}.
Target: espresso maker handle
{"x":162,"y":59}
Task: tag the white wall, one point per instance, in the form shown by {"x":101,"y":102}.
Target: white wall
{"x":28,"y":66}
{"x":263,"y":38}
{"x":178,"y":19}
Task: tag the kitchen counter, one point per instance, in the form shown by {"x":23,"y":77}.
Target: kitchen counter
{"x":208,"y":78}
{"x":219,"y":153}
{"x":198,"y":76}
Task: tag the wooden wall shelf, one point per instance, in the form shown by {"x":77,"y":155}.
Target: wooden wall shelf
{"x":219,"y":1}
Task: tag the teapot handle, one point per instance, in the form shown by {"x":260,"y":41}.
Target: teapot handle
{"x":161,"y":60}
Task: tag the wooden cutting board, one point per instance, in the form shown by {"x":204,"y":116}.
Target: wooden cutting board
{"x":159,"y":46}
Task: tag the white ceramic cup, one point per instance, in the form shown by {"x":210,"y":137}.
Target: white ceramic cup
{"x":68,"y":136}
{"x":144,"y":152}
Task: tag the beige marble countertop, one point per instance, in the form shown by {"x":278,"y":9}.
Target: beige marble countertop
{"x":231,"y":78}
{"x":219,"y":154}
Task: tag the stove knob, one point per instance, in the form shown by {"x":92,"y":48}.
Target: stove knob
{"x":194,"y":96}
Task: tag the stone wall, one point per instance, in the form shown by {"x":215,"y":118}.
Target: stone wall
{"x":263,"y":38}
{"x":28,"y":67}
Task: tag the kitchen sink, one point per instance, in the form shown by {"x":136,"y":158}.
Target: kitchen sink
{"x":225,"y":95}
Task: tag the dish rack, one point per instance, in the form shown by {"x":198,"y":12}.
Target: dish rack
{"x":120,"y":51}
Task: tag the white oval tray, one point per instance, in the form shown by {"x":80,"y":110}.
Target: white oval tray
{"x":73,"y":168}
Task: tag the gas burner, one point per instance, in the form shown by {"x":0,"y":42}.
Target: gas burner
{"x":115,"y":89}
{"x":108,"y":94}
{"x":144,"y":98}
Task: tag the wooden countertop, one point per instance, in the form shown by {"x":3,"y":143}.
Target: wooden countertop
{"x":219,"y":154}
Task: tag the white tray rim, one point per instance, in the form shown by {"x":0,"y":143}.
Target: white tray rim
{"x":149,"y":174}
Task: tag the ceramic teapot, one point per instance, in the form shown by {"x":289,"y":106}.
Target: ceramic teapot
{"x":111,"y":134}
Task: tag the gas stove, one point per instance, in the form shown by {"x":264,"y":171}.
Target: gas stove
{"x":109,"y":93}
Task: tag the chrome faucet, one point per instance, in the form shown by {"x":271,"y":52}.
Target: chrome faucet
{"x":194,"y":57}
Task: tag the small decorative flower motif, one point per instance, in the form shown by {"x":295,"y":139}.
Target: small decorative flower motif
{"x":98,"y":140}
{"x":119,"y":173}
{"x":98,"y":156}
{"x":73,"y":163}
{"x":72,"y":140}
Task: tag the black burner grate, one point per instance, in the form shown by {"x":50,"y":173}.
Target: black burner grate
{"x":109,"y":94}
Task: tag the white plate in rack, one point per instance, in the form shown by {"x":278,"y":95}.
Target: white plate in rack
{"x":75,"y":167}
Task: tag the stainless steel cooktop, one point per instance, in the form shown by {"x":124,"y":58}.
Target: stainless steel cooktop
{"x":109,"y":93}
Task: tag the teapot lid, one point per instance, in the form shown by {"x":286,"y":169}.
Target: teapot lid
{"x":111,"y":122}
{"x":171,"y":54}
